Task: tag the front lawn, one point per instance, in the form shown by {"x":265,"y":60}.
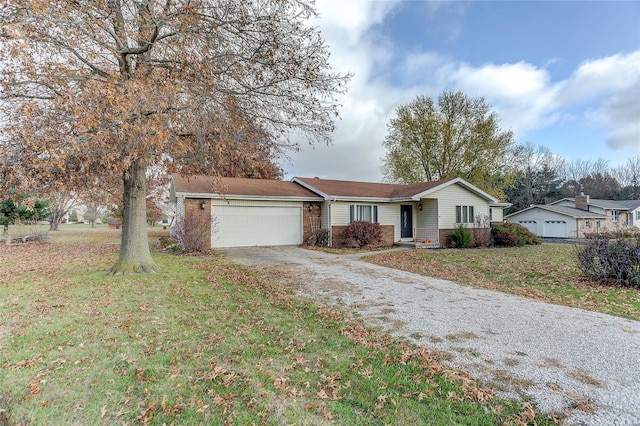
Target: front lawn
{"x":546,"y":272}
{"x":204,"y":341}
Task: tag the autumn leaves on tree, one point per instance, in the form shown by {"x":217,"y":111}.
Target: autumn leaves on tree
{"x":111,"y":88}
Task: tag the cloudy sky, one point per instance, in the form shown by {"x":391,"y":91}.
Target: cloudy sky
{"x":561,"y":74}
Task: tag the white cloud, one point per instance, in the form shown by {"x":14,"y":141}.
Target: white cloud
{"x":520,"y":93}
{"x":523,"y":94}
{"x":602,"y":76}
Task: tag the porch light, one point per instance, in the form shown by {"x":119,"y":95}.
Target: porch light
{"x":420,"y":207}
{"x":203,"y":203}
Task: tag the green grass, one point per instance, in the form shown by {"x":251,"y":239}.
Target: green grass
{"x":204,"y":341}
{"x":546,"y":272}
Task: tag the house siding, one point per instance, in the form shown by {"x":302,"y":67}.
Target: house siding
{"x":455,"y":195}
{"x":388,"y":218}
{"x":497,"y":214}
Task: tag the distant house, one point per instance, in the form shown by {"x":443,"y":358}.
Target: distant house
{"x":575,"y":217}
{"x":252,"y":212}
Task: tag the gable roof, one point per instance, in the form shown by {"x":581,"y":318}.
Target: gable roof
{"x":352,"y":190}
{"x":239,"y":188}
{"x":607,"y":204}
{"x":566,"y":211}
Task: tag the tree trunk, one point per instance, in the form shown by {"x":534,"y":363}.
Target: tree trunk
{"x":54,"y":222}
{"x":135,"y":256}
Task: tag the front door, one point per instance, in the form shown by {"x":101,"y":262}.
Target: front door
{"x":406,"y":221}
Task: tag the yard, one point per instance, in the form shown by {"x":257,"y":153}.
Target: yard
{"x":204,"y":341}
{"x":545,"y":272}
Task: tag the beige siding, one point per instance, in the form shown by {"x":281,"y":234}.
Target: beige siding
{"x":497,"y":214}
{"x":339,"y":213}
{"x":455,"y":195}
{"x":388,"y":214}
{"x":428,"y":217}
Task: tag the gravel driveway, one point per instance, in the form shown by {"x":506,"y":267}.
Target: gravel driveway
{"x":564,"y":359}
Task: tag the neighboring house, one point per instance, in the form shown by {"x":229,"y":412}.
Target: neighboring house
{"x":253,"y":212}
{"x":575,"y":217}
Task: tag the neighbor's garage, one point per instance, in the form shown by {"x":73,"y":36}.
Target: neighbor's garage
{"x":555,"y":229}
{"x":266,"y":225}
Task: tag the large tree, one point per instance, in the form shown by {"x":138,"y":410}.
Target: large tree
{"x":452,"y":136}
{"x":117,"y":86}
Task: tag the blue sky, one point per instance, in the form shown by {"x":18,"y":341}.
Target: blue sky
{"x":561,"y":74}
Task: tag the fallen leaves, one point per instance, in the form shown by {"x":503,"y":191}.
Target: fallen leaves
{"x":545,"y":272}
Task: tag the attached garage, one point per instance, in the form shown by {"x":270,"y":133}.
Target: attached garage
{"x":247,"y":212}
{"x":240,"y":226}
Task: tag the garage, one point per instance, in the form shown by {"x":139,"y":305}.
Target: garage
{"x":555,"y":229}
{"x":241,"y":226}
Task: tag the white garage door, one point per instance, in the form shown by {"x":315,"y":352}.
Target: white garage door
{"x":555,"y":229}
{"x":240,"y":226}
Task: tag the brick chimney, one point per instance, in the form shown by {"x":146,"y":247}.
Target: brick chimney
{"x":582,"y":202}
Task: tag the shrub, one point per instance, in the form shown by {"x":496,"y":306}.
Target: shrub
{"x":505,"y":239}
{"x":611,"y":260}
{"x":169,"y":243}
{"x":481,"y":231}
{"x":461,"y":237}
{"x":193,"y":231}
{"x":319,"y":238}
{"x":362,"y":234}
{"x":521,"y":234}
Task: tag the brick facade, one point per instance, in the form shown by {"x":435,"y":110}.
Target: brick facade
{"x":311,"y":219}
{"x":198,"y":220}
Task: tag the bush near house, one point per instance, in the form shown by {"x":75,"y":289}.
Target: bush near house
{"x":362,"y":234}
{"x":611,"y":258}
{"x":318,"y":238}
{"x":511,"y":235}
{"x":461,"y":237}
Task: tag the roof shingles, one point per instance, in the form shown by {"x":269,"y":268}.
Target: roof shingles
{"x":344,"y":188}
{"x":239,"y":186}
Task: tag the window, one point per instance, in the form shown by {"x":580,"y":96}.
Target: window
{"x":587,"y":224}
{"x":464,"y":214}
{"x":638,"y":215}
{"x":490,"y":214}
{"x":363,"y":212}
{"x":597,"y":224}
{"x":614,"y":215}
